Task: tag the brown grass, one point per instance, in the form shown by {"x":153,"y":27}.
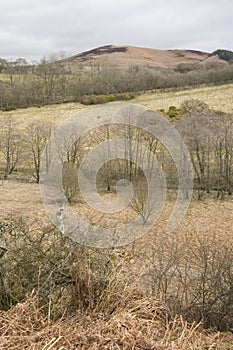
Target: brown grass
{"x":126,"y":56}
{"x":137,"y":322}
{"x":23,"y":199}
{"x":217,"y":97}
{"x":53,"y":113}
{"x":144,"y":324}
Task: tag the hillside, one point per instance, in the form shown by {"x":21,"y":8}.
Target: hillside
{"x":126,"y":56}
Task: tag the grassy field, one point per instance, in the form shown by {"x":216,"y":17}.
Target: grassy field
{"x":54,"y":113}
{"x":217,"y":97}
{"x":8,"y":78}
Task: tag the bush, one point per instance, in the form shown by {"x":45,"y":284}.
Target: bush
{"x":173,"y":112}
{"x":65,"y":276}
{"x":194,"y":107}
{"x":225,"y":55}
{"x":99,"y":99}
{"x":192,"y":273}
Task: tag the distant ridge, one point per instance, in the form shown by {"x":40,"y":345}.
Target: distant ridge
{"x":126,"y":56}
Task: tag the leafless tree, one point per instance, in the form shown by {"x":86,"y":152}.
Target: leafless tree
{"x":223,"y":152}
{"x":11,"y":146}
{"x":38,"y":135}
{"x":208,"y":135}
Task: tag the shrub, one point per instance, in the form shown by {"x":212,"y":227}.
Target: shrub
{"x":193,"y":107}
{"x":192,"y":273}
{"x":99,"y":99}
{"x":173,"y":112}
{"x":225,"y":55}
{"x":65,"y":276}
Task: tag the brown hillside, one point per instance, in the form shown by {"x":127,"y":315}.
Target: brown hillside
{"x":126,"y":56}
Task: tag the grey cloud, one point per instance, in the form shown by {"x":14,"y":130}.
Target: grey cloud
{"x":32,"y":29}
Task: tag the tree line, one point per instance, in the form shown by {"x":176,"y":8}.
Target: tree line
{"x":51,"y":81}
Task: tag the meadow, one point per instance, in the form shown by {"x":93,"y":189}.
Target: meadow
{"x":217,"y":97}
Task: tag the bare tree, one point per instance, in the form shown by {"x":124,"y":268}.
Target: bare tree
{"x":11,"y":145}
{"x":38,"y":136}
{"x":223,"y":153}
{"x":196,"y":130}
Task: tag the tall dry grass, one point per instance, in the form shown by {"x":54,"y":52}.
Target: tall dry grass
{"x":157,"y":293}
{"x":145,"y":324}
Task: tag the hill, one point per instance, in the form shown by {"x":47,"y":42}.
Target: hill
{"x":126,"y":56}
{"x":118,"y":72}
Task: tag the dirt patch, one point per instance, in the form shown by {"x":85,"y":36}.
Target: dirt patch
{"x":23,"y":199}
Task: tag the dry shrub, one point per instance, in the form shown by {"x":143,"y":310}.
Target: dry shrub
{"x":102,"y":293}
{"x":65,"y":276}
{"x":192,"y":272}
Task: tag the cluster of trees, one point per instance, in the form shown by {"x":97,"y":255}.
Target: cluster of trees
{"x":54,"y":82}
{"x":22,"y":148}
{"x":208,"y":135}
{"x":209,"y":138}
{"x":226,"y":55}
{"x":18,"y":66}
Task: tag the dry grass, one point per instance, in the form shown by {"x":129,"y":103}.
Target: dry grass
{"x":53,"y":113}
{"x":145,"y":324}
{"x":137,"y":322}
{"x":217,"y":97}
{"x":23,"y":199}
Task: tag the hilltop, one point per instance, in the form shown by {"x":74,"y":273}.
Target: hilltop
{"x":126,"y":56}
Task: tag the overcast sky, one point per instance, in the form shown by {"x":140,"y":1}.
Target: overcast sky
{"x":36,"y":28}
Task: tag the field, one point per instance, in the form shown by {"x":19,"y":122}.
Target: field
{"x":135,"y":305}
{"x":217,"y":97}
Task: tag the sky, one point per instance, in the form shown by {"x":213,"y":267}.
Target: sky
{"x":34,"y":29}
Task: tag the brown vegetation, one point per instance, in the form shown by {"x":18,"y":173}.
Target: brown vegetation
{"x":162,"y":292}
{"x":126,"y":56}
{"x":24,"y":327}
